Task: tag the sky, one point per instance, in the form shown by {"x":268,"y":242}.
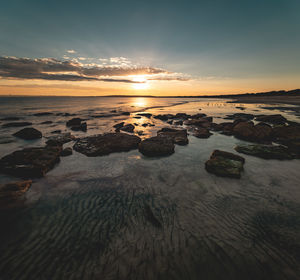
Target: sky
{"x":118,"y":47}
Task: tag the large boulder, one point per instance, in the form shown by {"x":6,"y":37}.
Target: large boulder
{"x":30,"y":162}
{"x":16,"y":124}
{"x":178,"y":136}
{"x":104,"y":144}
{"x":265,"y":151}
{"x":225,"y":164}
{"x":28,"y":133}
{"x":275,"y":119}
{"x":157,"y":146}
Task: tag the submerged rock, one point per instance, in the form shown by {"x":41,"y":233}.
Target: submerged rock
{"x":66,"y":152}
{"x":275,"y":119}
{"x":16,"y":124}
{"x":147,"y":115}
{"x":60,"y":139}
{"x":30,"y":162}
{"x":164,"y":117}
{"x":178,"y":136}
{"x":201,"y":132}
{"x":12,"y":192}
{"x":118,"y":126}
{"x":202,"y":122}
{"x":74,"y":122}
{"x":41,"y":114}
{"x":157,"y":146}
{"x":225,"y":164}
{"x":81,"y":127}
{"x":265,"y":151}
{"x":128,"y":128}
{"x":28,"y":133}
{"x":104,"y":144}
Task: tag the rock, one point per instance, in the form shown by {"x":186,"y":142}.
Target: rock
{"x":202,"y":122}
{"x":74,"y":122}
{"x":12,"y":192}
{"x":66,"y":152}
{"x":265,"y":151}
{"x":118,"y":126}
{"x":81,"y":127}
{"x":178,"y":136}
{"x":250,"y":132}
{"x":28,"y":133}
{"x":125,"y":113}
{"x":147,"y":115}
{"x":164,"y":117}
{"x":61,"y":139}
{"x":198,"y":116}
{"x":140,"y":132}
{"x":157,"y":146}
{"x":128,"y":128}
{"x":170,"y":121}
{"x":178,"y":122}
{"x":242,"y":116}
{"x":286,"y":132}
{"x":56,"y":131}
{"x":241,"y":108}
{"x":137,"y":117}
{"x":275,"y":119}
{"x":47,"y":122}
{"x":225,"y":164}
{"x":16,"y":124}
{"x":30,"y":162}
{"x":10,"y":119}
{"x":42,"y":114}
{"x":182,"y":116}
{"x":202,"y":132}
{"x":104,"y":144}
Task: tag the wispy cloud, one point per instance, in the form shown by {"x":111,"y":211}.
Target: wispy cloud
{"x":73,"y":70}
{"x":71,"y":51}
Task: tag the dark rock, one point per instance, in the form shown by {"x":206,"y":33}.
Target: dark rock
{"x":170,"y":121}
{"x":104,"y":144}
{"x":265,"y":151}
{"x":164,"y":117}
{"x":66,"y":152}
{"x":201,"y":132}
{"x":81,"y":127}
{"x":241,"y":108}
{"x":10,"y":119}
{"x":16,"y":124}
{"x":178,"y":122}
{"x":30,"y":162}
{"x":56,"y":131}
{"x":128,"y":128}
{"x":202,"y":122}
{"x":225,"y":164}
{"x":182,"y":116}
{"x":61,"y":139}
{"x":275,"y":119}
{"x":47,"y":122}
{"x":178,"y":136}
{"x":198,"y":116}
{"x":157,"y":146}
{"x":118,"y":126}
{"x":147,"y":115}
{"x":12,"y":192}
{"x":74,"y":122}
{"x":28,"y":133}
{"x":242,"y":116}
{"x":137,"y":117}
{"x":43,"y":114}
{"x":125,"y":113}
{"x":140,"y":132}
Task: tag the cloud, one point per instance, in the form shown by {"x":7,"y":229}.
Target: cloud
{"x":72,"y":70}
{"x":71,"y":51}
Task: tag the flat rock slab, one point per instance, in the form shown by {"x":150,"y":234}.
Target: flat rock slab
{"x":30,"y":162}
{"x":178,"y":136}
{"x":265,"y":151}
{"x":104,"y":144}
{"x":157,"y":146}
{"x":225,"y":164}
{"x":28,"y":133}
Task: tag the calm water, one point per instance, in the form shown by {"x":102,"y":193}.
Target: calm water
{"x":87,"y":219}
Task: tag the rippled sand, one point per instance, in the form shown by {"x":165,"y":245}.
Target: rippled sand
{"x":124,"y":216}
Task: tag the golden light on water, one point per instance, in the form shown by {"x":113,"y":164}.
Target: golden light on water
{"x":140,"y":102}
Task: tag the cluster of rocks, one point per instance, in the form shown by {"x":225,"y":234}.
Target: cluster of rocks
{"x":76,"y":124}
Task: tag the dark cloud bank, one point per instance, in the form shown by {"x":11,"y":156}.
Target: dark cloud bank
{"x":54,"y":69}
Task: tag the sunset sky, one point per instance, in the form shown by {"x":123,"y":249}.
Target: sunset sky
{"x":148,"y":47}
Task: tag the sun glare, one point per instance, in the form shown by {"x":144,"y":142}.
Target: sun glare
{"x":141,"y":83}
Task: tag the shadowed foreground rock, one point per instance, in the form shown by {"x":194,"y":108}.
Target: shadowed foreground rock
{"x":12,"y":192}
{"x":178,"y":136}
{"x":157,"y":146}
{"x":225,"y":164}
{"x":28,"y":133}
{"x":30,"y":162}
{"x":104,"y":144}
{"x":265,"y":151}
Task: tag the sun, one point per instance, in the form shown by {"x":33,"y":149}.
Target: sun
{"x":141,"y":83}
